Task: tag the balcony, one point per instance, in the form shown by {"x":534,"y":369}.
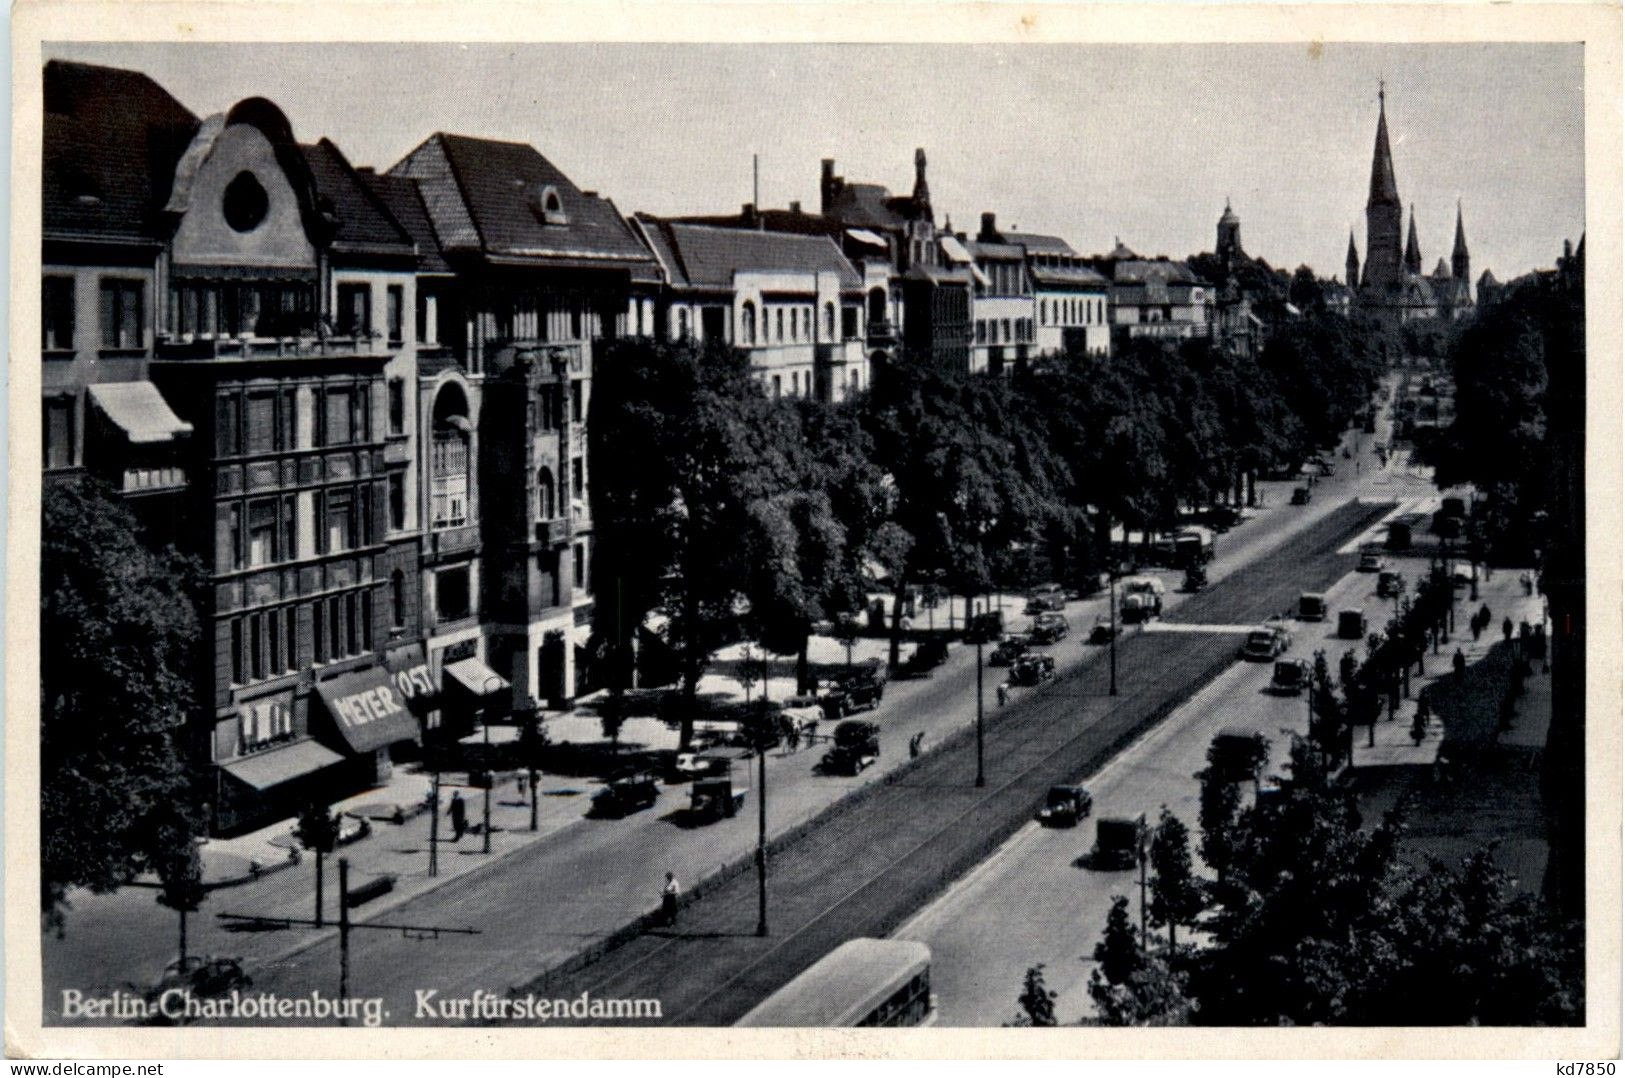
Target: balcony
{"x":546,"y":356}
{"x":882,"y":332}
{"x":216,"y":348}
{"x":445,"y":542}
{"x":555,"y":532}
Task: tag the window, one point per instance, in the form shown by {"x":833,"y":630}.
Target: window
{"x":544,"y":494}
{"x":123,"y":319}
{"x":318,"y":634}
{"x":290,"y":626}
{"x":397,"y":501}
{"x":1005,"y":325}
{"x":394,"y":304}
{"x":355,"y":310}
{"x":451,"y":593}
{"x":577,"y":411}
{"x":56,"y":313}
{"x":779,"y":323}
{"x":849,"y":322}
{"x":259,"y":423}
{"x":682,"y":323}
{"x":59,"y":432}
{"x":795,"y":383}
{"x":829,"y":321}
{"x":263,"y":722}
{"x":397,"y":405}
{"x":578,"y":478}
{"x":244,"y":203}
{"x":981,"y":331}
{"x":262,"y":532}
{"x":397,"y":599}
{"x":341,"y":521}
{"x":778,"y":387}
{"x":256,"y":650}
{"x":236,"y":651}
{"x":580,"y":566}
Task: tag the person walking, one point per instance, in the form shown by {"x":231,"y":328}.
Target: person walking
{"x":1478,"y":627}
{"x":1004,"y":693}
{"x":459,"y":816}
{"x":1506,"y":628}
{"x":668,"y":900}
{"x":1460,"y":663}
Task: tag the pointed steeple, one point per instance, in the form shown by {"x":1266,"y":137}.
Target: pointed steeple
{"x":1384,"y":189}
{"x":1460,"y":262}
{"x":1352,"y":263}
{"x":1413,"y":251}
{"x":922,"y":192}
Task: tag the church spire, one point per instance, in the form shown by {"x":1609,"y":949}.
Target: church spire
{"x":1460,"y":262}
{"x":1352,"y":264}
{"x":1384,"y":189}
{"x":1413,"y":250}
{"x":922,"y":192}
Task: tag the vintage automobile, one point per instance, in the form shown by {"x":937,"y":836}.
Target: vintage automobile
{"x":1139,"y":607}
{"x":985,"y":627}
{"x":1046,"y":597}
{"x":716,"y":798}
{"x":801,"y":714}
{"x":1064,"y":806}
{"x":1372,"y":562}
{"x":856,"y":746}
{"x":1117,"y":843}
{"x":1291,"y":677}
{"x":1390,"y":583}
{"x":928,"y":654}
{"x":1266,"y":642}
{"x":1301,"y":495}
{"x":1032,"y":670}
{"x":699,"y":765}
{"x":1351,"y":624}
{"x":1312,"y":606}
{"x":625,"y":795}
{"x":860,"y":690}
{"x":1103,"y":630}
{"x":1009,"y":650}
{"x":197,"y":976}
{"x":1195,"y":578}
{"x":1399,"y":535}
{"x":1048,"y":628}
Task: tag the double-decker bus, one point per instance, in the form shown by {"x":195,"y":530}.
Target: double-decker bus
{"x":863,"y":982}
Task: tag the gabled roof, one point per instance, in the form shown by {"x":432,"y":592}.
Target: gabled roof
{"x":488,"y":197}
{"x":1039,"y":244}
{"x":1076,"y":277}
{"x":1384,"y":191}
{"x":870,"y":205}
{"x":111,"y":141}
{"x":400,"y":195}
{"x":364,"y":223}
{"x":996,"y":252}
{"x":1161,"y":271}
{"x":704,"y":256}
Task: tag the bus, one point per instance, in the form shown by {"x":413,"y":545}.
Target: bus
{"x":863,"y":982}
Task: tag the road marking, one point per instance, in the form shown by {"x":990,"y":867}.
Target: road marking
{"x":1188,"y":627}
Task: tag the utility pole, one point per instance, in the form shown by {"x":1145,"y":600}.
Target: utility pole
{"x":434,"y":827}
{"x":344,"y":931}
{"x":761,"y":805}
{"x":981,"y":777}
{"x":1112,"y":600}
{"x":1143,"y":858}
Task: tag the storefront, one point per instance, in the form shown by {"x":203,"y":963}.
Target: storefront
{"x":408,"y":668}
{"x":473,"y":693}
{"x":369,"y":714}
{"x":268,"y":766}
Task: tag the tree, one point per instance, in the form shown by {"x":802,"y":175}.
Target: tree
{"x":118,"y":633}
{"x":1037,"y":1002}
{"x":180,"y":876}
{"x":1176,"y":893}
{"x":318,"y":832}
{"x":1118,"y":951}
{"x":1153,"y":995}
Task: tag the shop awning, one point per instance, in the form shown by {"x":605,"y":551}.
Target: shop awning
{"x":264,"y":770}
{"x":410,"y":671}
{"x":367,"y":709}
{"x":140,"y":410}
{"x":476,"y":677}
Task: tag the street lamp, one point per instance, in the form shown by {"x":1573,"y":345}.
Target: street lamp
{"x":1112,"y":642}
{"x":485,"y":723}
{"x":976,"y":631}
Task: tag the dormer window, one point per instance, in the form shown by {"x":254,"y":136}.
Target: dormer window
{"x":546,"y":204}
{"x":244,"y":203}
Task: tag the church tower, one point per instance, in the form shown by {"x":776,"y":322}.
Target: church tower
{"x":1382,"y":209}
{"x":1413,"y":250}
{"x":1460,"y":262}
{"x":1352,"y":265}
{"x":1227,"y":245}
{"x":922,"y":192}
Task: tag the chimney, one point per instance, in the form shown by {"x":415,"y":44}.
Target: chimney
{"x":989,"y":228}
{"x":795,"y":207}
{"x":747,"y":214}
{"x":827,"y":185}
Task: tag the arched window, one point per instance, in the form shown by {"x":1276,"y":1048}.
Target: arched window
{"x":747,"y":323}
{"x":449,"y":459}
{"x":779,"y":320}
{"x":682,"y":323}
{"x":545,"y":502}
{"x":397,"y":598}
{"x":877,"y":305}
{"x":829,"y":321}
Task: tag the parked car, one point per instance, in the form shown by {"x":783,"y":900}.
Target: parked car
{"x":1351,"y":624}
{"x":1399,"y":536}
{"x":1447,"y":527}
{"x":1117,"y":843}
{"x":985,"y":627}
{"x":1195,"y":578}
{"x":1064,"y":806}
{"x":626,"y":795}
{"x":1219,"y":517}
{"x":1139,"y":607}
{"x":1048,"y":628}
{"x":1291,"y":677}
{"x":856,"y":746}
{"x":1372,"y":562}
{"x":858,"y":691}
{"x":1032,"y":670}
{"x":928,"y":654}
{"x":1300,"y":495}
{"x":1009,"y":650}
{"x":1311,"y":606}
{"x":1390,"y":583}
{"x":1103,"y":629}
{"x":699,"y":765}
{"x":1046,"y":597}
{"x":717,"y":798}
{"x":1266,"y":642}
{"x":1324,"y":467}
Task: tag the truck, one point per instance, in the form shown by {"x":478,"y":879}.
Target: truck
{"x":856,"y":746}
{"x":1117,"y":843}
{"x":625,"y":795}
{"x":1237,"y":755}
{"x":718,"y":798}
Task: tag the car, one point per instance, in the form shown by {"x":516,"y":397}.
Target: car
{"x":1461,"y":574}
{"x":1103,"y":630}
{"x":717,"y":798}
{"x":1447,"y":527}
{"x":1300,"y":495}
{"x":860,"y":690}
{"x":1064,"y":806}
{"x":1144,"y":585}
{"x":626,"y":795}
{"x":1390,"y":583}
{"x":1290,"y":677}
{"x":1372,"y":562}
{"x":1399,"y":535}
{"x":801,"y":713}
{"x":199,"y":977}
{"x":1048,"y":628}
{"x":1266,"y":642}
{"x":1324,"y":467}
{"x":985,"y":627}
{"x":1119,"y":843}
{"x":699,"y":765}
{"x":1195,"y":578}
{"x":1311,"y":606}
{"x":1045,"y":598}
{"x":1139,"y":607}
{"x":1032,"y":670}
{"x":1351,"y":624}
{"x":1009,"y":650}
{"x":928,"y":654}
{"x":856,"y":746}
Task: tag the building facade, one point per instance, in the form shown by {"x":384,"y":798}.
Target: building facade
{"x":1156,"y":297}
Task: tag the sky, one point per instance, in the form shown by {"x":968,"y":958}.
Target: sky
{"x":1090,"y":142}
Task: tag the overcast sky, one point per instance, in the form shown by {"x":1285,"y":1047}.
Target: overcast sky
{"x":1089,"y":141}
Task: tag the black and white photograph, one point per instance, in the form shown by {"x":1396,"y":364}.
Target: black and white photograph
{"x":813,"y":535}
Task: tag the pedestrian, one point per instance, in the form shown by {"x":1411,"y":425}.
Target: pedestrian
{"x":1460,"y":663}
{"x":459,"y":816}
{"x":668,"y":900}
{"x":1477,"y":626}
{"x":914,"y":746}
{"x":1004,"y":693}
{"x":1484,"y":615}
{"x":1506,"y":628}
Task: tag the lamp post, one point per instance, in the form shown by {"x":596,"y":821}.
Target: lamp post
{"x":981,"y":778}
{"x":485,"y":723}
{"x":1112,"y":611}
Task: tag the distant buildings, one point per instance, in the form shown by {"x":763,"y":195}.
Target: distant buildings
{"x":1156,"y":297}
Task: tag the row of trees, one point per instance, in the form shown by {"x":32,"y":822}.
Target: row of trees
{"x":725,"y":513}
